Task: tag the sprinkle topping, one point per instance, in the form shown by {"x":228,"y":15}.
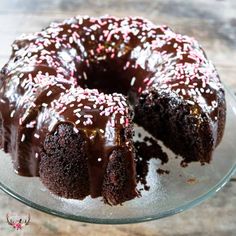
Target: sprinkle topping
{"x":54,"y":67}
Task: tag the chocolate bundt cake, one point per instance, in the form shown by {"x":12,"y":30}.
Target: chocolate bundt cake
{"x":69,"y":96}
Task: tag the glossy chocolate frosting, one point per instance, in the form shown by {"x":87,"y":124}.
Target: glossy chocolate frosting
{"x":82,"y":71}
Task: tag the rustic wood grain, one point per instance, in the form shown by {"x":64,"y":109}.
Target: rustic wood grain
{"x":211,"y":22}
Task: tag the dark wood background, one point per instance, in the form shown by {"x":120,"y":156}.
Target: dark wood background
{"x":211,"y":22}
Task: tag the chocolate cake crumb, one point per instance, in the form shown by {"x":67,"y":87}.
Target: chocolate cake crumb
{"x":145,"y":151}
{"x":192,"y":180}
{"x":183,"y":164}
{"x":149,"y":148}
{"x":146,"y":188}
{"x":161,"y":171}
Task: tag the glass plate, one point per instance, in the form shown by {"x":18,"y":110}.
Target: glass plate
{"x":169,"y":194}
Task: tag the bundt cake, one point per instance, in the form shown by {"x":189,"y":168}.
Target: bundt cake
{"x":70,"y":93}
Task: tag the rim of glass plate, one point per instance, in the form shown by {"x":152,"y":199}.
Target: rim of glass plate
{"x":160,"y":215}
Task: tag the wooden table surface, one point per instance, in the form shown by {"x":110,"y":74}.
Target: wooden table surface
{"x":211,"y":22}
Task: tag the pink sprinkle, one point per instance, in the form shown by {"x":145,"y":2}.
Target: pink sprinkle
{"x":126,"y":122}
{"x":20,"y":121}
{"x":127,"y":65}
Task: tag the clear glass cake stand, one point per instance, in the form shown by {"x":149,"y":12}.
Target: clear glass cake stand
{"x":181,"y":189}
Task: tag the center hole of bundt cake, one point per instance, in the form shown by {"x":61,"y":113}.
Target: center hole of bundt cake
{"x":113,"y":76}
{"x":107,"y":78}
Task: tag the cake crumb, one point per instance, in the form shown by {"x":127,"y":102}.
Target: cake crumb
{"x":192,"y":180}
{"x":183,"y":164}
{"x":162,"y":172}
{"x":145,"y":151}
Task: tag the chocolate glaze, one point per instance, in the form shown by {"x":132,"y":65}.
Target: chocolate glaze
{"x":45,"y":81}
{"x":104,"y":120}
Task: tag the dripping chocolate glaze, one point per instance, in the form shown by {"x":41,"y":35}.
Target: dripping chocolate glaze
{"x":111,"y":118}
{"x":127,"y":56}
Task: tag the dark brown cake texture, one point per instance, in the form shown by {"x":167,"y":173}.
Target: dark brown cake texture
{"x":70,"y":93}
{"x":147,"y":149}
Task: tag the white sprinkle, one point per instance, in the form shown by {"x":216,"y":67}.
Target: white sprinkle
{"x":214,"y":104}
{"x":143,"y":39}
{"x":21,"y":75}
{"x":71,"y":40}
{"x":77,"y":110}
{"x":93,"y":27}
{"x":80,"y":20}
{"x":122,"y":121}
{"x":36,"y":136}
{"x":22,"y":138}
{"x":177,"y":90}
{"x":77,"y":122}
{"x":190,"y":102}
{"x":175,"y":84}
{"x":102,"y":131}
{"x":57,"y":45}
{"x":132,"y":81}
{"x":49,"y":93}
{"x":89,"y":121}
{"x":76,"y":130}
{"x":119,"y":54}
{"x":85,"y":76}
{"x":36,"y":155}
{"x":31,"y":124}
{"x":88,"y":116}
{"x":99,"y":159}
{"x":183,"y":91}
{"x":203,"y":83}
{"x":20,"y":121}
{"x":12,"y":113}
